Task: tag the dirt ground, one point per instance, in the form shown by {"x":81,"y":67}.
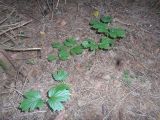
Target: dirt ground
{"x":98,"y":86}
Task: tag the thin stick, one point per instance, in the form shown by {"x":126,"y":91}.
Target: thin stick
{"x":52,"y":10}
{"x":117,"y":20}
{"x":7,"y":17}
{"x":14,"y":90}
{"x":15,"y":27}
{"x":57,"y":4}
{"x":2,"y":26}
{"x":22,"y":50}
{"x":49,"y":6}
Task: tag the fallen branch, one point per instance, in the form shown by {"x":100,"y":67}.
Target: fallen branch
{"x":22,"y":49}
{"x":57,"y":4}
{"x":20,"y":25}
{"x":117,"y":20}
{"x":25,"y":49}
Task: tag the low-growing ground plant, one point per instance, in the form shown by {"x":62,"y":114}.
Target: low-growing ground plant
{"x":57,"y":95}
{"x":70,"y":47}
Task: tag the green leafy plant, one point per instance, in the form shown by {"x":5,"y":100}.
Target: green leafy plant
{"x":70,"y":42}
{"x":116,"y":33}
{"x":60,"y":75}
{"x":56,"y":45}
{"x":99,"y":26}
{"x":106,"y":43}
{"x":57,"y":95}
{"x":51,"y":58}
{"x":90,"y":44}
{"x":110,"y":34}
{"x":31,"y":101}
{"x":76,"y":50}
{"x":63,"y":54}
{"x":106,"y":19}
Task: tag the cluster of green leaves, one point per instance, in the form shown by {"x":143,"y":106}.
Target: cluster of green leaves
{"x":56,"y":95}
{"x":71,"y":47}
{"x":102,"y":26}
{"x":66,"y":49}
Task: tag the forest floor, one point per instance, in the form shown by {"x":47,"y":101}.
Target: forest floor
{"x":98,"y":81}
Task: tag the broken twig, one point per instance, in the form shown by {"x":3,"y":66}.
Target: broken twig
{"x":20,"y":25}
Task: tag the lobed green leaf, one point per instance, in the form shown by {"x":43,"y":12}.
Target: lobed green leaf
{"x":60,"y":75}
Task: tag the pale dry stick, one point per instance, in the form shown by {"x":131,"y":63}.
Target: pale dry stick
{"x":15,"y":24}
{"x":7,"y":17}
{"x":20,"y":25}
{"x":57,"y":4}
{"x":52,"y":10}
{"x":117,"y":20}
{"x":22,"y":49}
{"x":49,"y":6}
{"x":14,"y":90}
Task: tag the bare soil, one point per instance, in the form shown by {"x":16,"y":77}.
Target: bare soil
{"x":99,"y":89}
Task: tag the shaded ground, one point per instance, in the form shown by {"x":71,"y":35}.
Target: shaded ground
{"x":99,"y":89}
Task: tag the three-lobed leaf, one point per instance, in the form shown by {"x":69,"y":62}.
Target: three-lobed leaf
{"x":56,"y":45}
{"x":57,"y":95}
{"x":106,"y":19}
{"x":70,"y":42}
{"x":61,"y":86}
{"x":76,"y":50}
{"x":94,"y":21}
{"x":60,"y":75}
{"x":106,"y":43}
{"x":32,"y":100}
{"x":116,"y":33}
{"x":63,"y":54}
{"x":90,"y":44}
